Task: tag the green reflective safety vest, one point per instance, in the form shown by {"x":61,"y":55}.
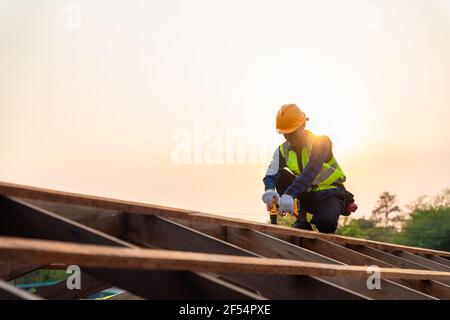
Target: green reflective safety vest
{"x":329,"y":175}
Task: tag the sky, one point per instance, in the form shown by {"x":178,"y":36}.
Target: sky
{"x":174,"y":102}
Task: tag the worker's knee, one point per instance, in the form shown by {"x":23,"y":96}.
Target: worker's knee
{"x":326,"y":223}
{"x":326,"y":215}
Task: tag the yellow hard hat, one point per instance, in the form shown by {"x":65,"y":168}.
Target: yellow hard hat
{"x":290,"y":118}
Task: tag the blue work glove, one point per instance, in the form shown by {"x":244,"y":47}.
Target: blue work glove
{"x":268,"y":196}
{"x":286,"y":204}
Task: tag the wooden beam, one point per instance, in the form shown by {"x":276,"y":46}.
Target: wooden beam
{"x":432,"y":265}
{"x":108,"y":221}
{"x":10,"y":270}
{"x":104,"y":220}
{"x":339,"y":252}
{"x":350,"y":256}
{"x":290,"y":287}
{"x":437,"y":289}
{"x":44,"y":251}
{"x":441,"y":258}
{"x":156,"y":232}
{"x":20,"y":219}
{"x":437,"y":259}
{"x":27,"y":192}
{"x":273,"y":247}
{"x":151,"y":229}
{"x":9,"y":292}
{"x":161,"y":233}
{"x":60,"y":291}
{"x":386,"y":257}
{"x":396,"y":260}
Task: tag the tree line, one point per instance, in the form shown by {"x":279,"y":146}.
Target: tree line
{"x":424,"y":223}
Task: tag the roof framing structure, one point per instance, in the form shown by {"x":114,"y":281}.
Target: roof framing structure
{"x":145,"y":249}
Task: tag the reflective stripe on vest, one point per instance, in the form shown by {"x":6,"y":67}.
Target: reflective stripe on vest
{"x":330,"y":173}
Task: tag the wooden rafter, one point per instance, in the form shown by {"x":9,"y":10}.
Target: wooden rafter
{"x":45,"y":251}
{"x":200,"y":255}
{"x":27,"y":192}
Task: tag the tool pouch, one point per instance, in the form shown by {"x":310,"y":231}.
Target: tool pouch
{"x":347,"y":197}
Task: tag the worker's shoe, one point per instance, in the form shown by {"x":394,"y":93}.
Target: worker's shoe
{"x":300,"y":224}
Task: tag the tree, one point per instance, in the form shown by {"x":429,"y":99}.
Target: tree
{"x":427,"y":226}
{"x":367,"y":229}
{"x":442,"y":200}
{"x":421,"y":203}
{"x":425,"y":203}
{"x":356,"y":228}
{"x":429,"y":223}
{"x":427,"y":229}
{"x":386,"y":206}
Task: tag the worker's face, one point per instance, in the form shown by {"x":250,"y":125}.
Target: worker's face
{"x":295,"y":138}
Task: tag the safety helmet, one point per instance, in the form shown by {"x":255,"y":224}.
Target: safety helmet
{"x":290,"y":118}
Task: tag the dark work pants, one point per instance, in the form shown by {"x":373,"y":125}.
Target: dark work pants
{"x":325,"y":212}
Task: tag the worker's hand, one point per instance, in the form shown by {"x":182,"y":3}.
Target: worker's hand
{"x":286,"y":204}
{"x":268,"y":196}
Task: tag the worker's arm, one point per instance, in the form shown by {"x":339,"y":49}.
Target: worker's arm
{"x":321,"y":152}
{"x":274,"y":170}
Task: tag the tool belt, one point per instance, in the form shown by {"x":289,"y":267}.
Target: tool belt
{"x":345,"y":196}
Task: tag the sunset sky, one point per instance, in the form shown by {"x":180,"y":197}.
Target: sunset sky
{"x":137,"y":99}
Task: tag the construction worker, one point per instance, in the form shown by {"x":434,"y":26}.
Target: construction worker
{"x":304,"y":167}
